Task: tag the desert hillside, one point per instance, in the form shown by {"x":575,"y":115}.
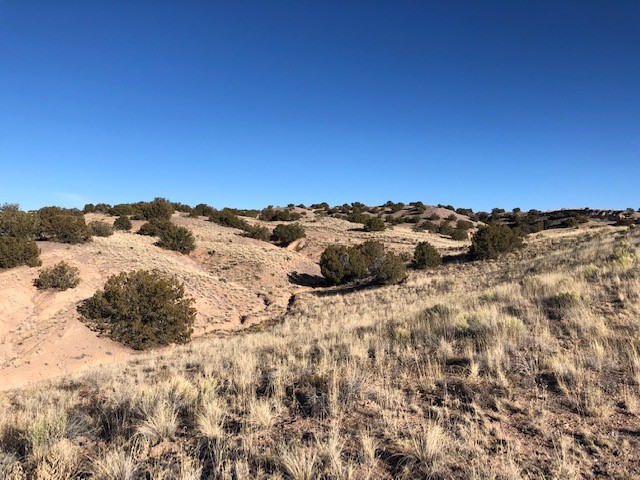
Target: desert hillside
{"x":522,"y":367}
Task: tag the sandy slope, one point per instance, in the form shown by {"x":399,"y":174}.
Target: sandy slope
{"x":230,"y":277}
{"x":236,"y":282}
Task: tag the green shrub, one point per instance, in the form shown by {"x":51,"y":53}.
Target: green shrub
{"x":178,"y":239}
{"x":445,"y":229}
{"x":160,"y":208}
{"x":374,"y":224}
{"x":341,"y":264}
{"x":154,"y":227}
{"x":89,"y":208}
{"x":426,"y":256}
{"x":464,"y":225}
{"x":202,"y":210}
{"x":66,"y":228}
{"x":16,"y":251}
{"x":285,"y":234}
{"x":460,"y":235}
{"x":60,"y":277}
{"x":16,"y":223}
{"x":358,"y":217}
{"x":226,"y":218}
{"x":141,"y":309}
{"x":373,"y":253}
{"x":100,"y":229}
{"x":493,"y":240}
{"x":122,"y":209}
{"x":391,"y":270}
{"x":271,"y":214}
{"x":257,"y":232}
{"x":122,"y":223}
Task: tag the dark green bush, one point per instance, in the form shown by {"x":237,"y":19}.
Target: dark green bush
{"x":141,"y":309}
{"x":493,"y":240}
{"x":65,"y":228}
{"x":89,"y":208}
{"x":154,"y":227}
{"x":160,"y":208}
{"x":122,"y":209}
{"x":60,"y":277}
{"x":285,"y":234}
{"x":226,"y":218}
{"x":445,"y":228}
{"x":460,"y":235}
{"x":374,"y":224}
{"x":122,"y":223}
{"x":257,"y":232}
{"x":202,"y":210}
{"x":178,"y":239}
{"x":100,"y":229}
{"x":358,"y":217}
{"x":426,"y":256}
{"x":341,"y":264}
{"x":391,"y":270}
{"x":16,"y":251}
{"x":464,"y":224}
{"x":271,"y":214}
{"x":16,"y":223}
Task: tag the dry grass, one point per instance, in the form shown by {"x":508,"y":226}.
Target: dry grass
{"x":527,"y":367}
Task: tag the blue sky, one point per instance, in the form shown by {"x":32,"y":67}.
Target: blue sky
{"x":476,"y":104}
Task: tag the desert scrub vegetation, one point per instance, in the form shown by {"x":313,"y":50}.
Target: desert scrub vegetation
{"x":179,"y":239}
{"x":61,"y":276}
{"x":271,"y":214}
{"x":457,"y":374}
{"x":141,"y":309}
{"x":425,"y":255}
{"x":369,"y":262}
{"x":374,"y":224}
{"x":284,"y":234}
{"x":100,"y":229}
{"x":122,"y":223}
{"x":62,"y":225}
{"x":154,"y":227}
{"x":17,"y":251}
{"x":493,"y":240}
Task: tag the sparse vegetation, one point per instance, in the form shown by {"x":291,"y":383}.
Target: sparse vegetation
{"x":141,"y":309}
{"x":271,"y":214}
{"x":61,"y":276}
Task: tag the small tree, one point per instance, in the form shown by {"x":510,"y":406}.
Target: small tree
{"x":257,"y":232}
{"x":100,"y":229}
{"x":122,"y":223}
{"x":60,"y":277}
{"x":141,"y":309}
{"x":340,"y":264}
{"x":285,"y":234}
{"x":154,"y":227}
{"x":459,"y":235}
{"x":374,"y":224}
{"x":16,"y":251}
{"x":426,"y":256}
{"x":160,"y":208}
{"x":178,"y":239}
{"x":493,"y":240}
{"x":391,"y":270}
{"x":71,"y":229}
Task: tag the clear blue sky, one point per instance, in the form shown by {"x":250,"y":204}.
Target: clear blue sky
{"x":476,"y":104}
